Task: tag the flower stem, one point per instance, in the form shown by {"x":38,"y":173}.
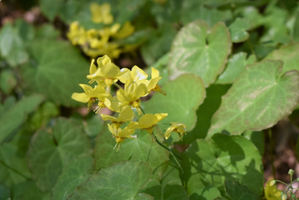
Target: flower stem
{"x":174,"y":155}
{"x":118,"y":86}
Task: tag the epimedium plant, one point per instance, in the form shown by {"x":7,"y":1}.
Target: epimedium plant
{"x":222,"y":82}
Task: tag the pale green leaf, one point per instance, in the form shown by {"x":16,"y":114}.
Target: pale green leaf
{"x":209,"y":192}
{"x":120,"y":181}
{"x":142,"y":148}
{"x":288,"y":54}
{"x":184,"y":95}
{"x":57,"y":71}
{"x":238,"y":30}
{"x":72,"y":176}
{"x":12,"y":47}
{"x":257,"y":138}
{"x":210,"y":163}
{"x":200,"y":50}
{"x":50,"y":152}
{"x":258,"y":99}
{"x":174,"y":191}
{"x":13,"y":117}
{"x":236,"y":65}
{"x":143,"y":196}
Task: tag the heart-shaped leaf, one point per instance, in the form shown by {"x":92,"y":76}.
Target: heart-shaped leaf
{"x":258,"y":99}
{"x":200,"y":50}
{"x":49,"y":153}
{"x":238,"y":30}
{"x":72,"y":176}
{"x":210,"y":163}
{"x":56,"y":72}
{"x":120,"y":181}
{"x":142,"y":148}
{"x":184,"y":95}
{"x":236,"y":65}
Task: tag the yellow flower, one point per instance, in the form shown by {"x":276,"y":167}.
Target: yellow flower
{"x":77,"y":34}
{"x":152,"y":85}
{"x":125,"y":115}
{"x":271,"y":192}
{"x":90,"y":94}
{"x":106,"y":72}
{"x":125,"y":31}
{"x":121,"y":134}
{"x":131,"y":95}
{"x":147,"y":122}
{"x":101,"y":13}
{"x":135,"y":75}
{"x":175,"y":127}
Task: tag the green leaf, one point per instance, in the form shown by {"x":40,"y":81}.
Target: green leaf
{"x":4,"y":192}
{"x":158,"y":44}
{"x":288,"y":54}
{"x":29,"y":191}
{"x":258,"y":99}
{"x":200,"y":50}
{"x":57,"y":71}
{"x":13,"y":164}
{"x":46,"y":31}
{"x":7,"y":81}
{"x":143,"y":196}
{"x":205,"y":193}
{"x":194,"y":10}
{"x":72,"y":176}
{"x":143,"y":148}
{"x":120,"y":181}
{"x":210,"y":163}
{"x":184,"y":95}
{"x":50,"y":152}
{"x":153,"y":188}
{"x":257,"y":138}
{"x":238,"y":30}
{"x":12,"y":118}
{"x":239,"y":192}
{"x":205,"y":113}
{"x":236,"y":65}
{"x":50,"y":8}
{"x":252,"y":14}
{"x":12,"y":47}
{"x":174,"y":191}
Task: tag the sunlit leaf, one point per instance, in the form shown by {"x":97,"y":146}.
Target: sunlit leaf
{"x":184,"y":95}
{"x":258,"y":99}
{"x":200,"y":50}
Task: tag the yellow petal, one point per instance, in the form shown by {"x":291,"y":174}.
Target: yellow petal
{"x":81,"y":97}
{"x":155,"y":73}
{"x":93,"y":67}
{"x":87,"y":88}
{"x":161,"y":116}
{"x":147,"y":120}
{"x":138,"y":74}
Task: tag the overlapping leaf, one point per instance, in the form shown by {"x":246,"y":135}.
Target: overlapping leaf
{"x":184,"y":95}
{"x":236,"y":65}
{"x":143,"y":148}
{"x":13,"y":117}
{"x":258,"y":99}
{"x":209,"y":163}
{"x":200,"y":50}
{"x":120,"y":181}
{"x":238,"y":30}
{"x":72,"y":176}
{"x":56,"y":72}
{"x":49,"y":153}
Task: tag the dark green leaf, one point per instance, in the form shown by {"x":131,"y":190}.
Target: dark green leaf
{"x":120,"y":181}
{"x":239,"y":192}
{"x":209,"y":163}
{"x":174,"y":191}
{"x":50,"y":152}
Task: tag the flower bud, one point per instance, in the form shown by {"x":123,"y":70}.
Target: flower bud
{"x":284,"y":197}
{"x":273,"y":182}
{"x":291,"y":172}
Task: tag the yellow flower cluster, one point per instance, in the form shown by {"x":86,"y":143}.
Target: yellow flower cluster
{"x":127,"y":100}
{"x":95,"y":42}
